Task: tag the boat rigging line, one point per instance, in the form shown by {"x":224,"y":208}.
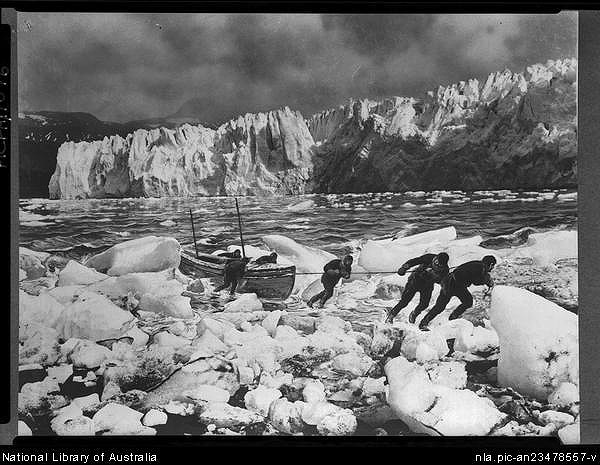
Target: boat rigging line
{"x":237,"y":207}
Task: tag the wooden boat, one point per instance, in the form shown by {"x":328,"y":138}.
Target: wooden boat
{"x":268,"y":281}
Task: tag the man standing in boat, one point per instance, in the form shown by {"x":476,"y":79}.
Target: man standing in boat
{"x":332,"y":273}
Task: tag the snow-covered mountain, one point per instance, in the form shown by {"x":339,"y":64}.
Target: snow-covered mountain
{"x":514,"y":130}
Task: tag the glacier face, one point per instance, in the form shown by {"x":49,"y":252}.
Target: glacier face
{"x":515,"y":130}
{"x":255,"y":154}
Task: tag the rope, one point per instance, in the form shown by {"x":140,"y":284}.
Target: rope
{"x":358,"y":272}
{"x":365,"y":272}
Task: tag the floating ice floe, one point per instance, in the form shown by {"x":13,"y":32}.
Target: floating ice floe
{"x":570,"y":197}
{"x":301,"y":206}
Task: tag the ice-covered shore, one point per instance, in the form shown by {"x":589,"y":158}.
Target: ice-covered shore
{"x":144,"y":349}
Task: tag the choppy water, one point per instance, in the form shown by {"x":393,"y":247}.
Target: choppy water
{"x":329,"y":222}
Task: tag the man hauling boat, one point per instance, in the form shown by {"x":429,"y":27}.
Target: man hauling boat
{"x":234,"y":271}
{"x":431,"y":269}
{"x":476,"y":272}
{"x":332,"y":273}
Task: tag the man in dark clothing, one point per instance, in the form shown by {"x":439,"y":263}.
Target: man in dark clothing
{"x":271,"y":258}
{"x":431,"y":268}
{"x":233,"y":272}
{"x":234,"y":254}
{"x":332,"y":273}
{"x":476,"y":272}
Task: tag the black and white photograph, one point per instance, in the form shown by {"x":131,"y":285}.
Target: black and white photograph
{"x":260,"y":224}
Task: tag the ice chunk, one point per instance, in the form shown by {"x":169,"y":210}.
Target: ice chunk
{"x":479,"y":339}
{"x":88,"y":354}
{"x":570,"y":434}
{"x":149,"y":253}
{"x":564,"y":395}
{"x":424,"y":345}
{"x":207,"y":393}
{"x":436,"y":409}
{"x":75,"y":273}
{"x":23,"y":429}
{"x":166,"y":339}
{"x":546,"y":248}
{"x":461,"y":412}
{"x":39,"y":344}
{"x":387,"y":255}
{"x":313,"y":391}
{"x":339,"y":423}
{"x":260,"y":399}
{"x":301,"y":206}
{"x":31,"y":262}
{"x":224,"y":415}
{"x":352,"y":363}
{"x":154,"y":417}
{"x":177,"y":306}
{"x":244,"y":303}
{"x":271,"y":321}
{"x":93,"y":317}
{"x":538,"y":342}
{"x":160,"y":284}
{"x":306,"y":259}
{"x":286,"y":416}
{"x":43,"y":309}
{"x":559,"y":419}
{"x":119,"y":419}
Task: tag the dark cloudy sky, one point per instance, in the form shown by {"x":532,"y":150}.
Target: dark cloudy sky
{"x":121,"y":67}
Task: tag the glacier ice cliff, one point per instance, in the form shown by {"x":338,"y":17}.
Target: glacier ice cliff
{"x":515,"y":130}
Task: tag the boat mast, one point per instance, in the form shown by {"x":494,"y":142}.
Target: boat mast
{"x":193,"y":233}
{"x":237,"y":207}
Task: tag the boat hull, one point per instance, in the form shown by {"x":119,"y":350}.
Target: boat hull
{"x":266,"y":281}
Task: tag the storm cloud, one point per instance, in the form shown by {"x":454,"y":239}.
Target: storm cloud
{"x":121,"y":67}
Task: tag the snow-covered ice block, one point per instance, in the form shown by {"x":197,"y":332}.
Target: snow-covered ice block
{"x":177,"y":306}
{"x":75,"y":273}
{"x":260,"y":399}
{"x":538,"y":342}
{"x":244,"y":303}
{"x":306,"y":259}
{"x":546,"y":248}
{"x":388,"y":255}
{"x":436,"y":409}
{"x":43,"y":309}
{"x":145,"y":254}
{"x":161,"y":283}
{"x":93,"y":317}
